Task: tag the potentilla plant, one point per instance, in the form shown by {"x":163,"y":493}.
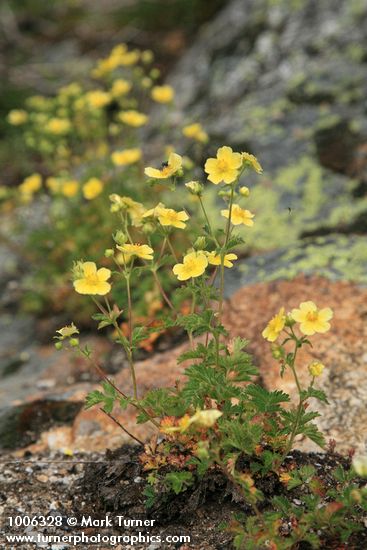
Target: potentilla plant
{"x":217,"y":416}
{"x":88,"y":144}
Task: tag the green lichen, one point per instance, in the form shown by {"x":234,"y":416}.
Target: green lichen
{"x":337,"y":257}
{"x":301,"y":197}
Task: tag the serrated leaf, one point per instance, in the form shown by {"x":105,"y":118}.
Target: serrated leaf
{"x":266,"y":401}
{"x":313,"y":392}
{"x":94,"y":398}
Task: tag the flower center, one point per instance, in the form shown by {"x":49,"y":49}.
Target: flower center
{"x":222,"y":165}
{"x":312,"y":316}
{"x":166,"y":170}
{"x":92,"y":279}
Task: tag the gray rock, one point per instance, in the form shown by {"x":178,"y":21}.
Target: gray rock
{"x":337,"y":257}
{"x":287,"y":82}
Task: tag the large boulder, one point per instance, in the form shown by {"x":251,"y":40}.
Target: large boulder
{"x":287,"y":82}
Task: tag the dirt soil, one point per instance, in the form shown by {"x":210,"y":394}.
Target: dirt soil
{"x":112,"y":485}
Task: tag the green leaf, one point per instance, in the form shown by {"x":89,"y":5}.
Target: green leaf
{"x":266,"y":401}
{"x":179,"y":481}
{"x":313,"y":433}
{"x":313,"y":392}
{"x":93,"y":398}
{"x":200,"y":352}
{"x":150,"y":495}
{"x":234,"y":241}
{"x":240,"y":435}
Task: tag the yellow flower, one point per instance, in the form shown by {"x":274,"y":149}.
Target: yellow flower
{"x":215,"y":259}
{"x":31,"y":184}
{"x":359,"y":464}
{"x":195,"y":131}
{"x":16,"y":117}
{"x":284,"y":477}
{"x":70,"y":188}
{"x":275,"y":326}
{"x":125,"y":157}
{"x":142,"y":251}
{"x":169,"y":168}
{"x":135,"y":209}
{"x":53,"y":184}
{"x":169,"y":217}
{"x":312,"y":319}
{"x":133,"y":118}
{"x":252,"y":162}
{"x":97,"y":99}
{"x":315,"y":368}
{"x":129,"y":58}
{"x":206,"y":418}
{"x":202,"y":418}
{"x":193,"y":265}
{"x":67,"y":331}
{"x":92,"y":188}
{"x":225,"y":167}
{"x":93,"y":281}
{"x":162,"y":94}
{"x":239,"y":215}
{"x":154,"y":212}
{"x":120,"y":87}
{"x":58,"y":126}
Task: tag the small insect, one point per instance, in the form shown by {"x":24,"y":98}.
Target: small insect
{"x":289,"y":210}
{"x":164,"y":164}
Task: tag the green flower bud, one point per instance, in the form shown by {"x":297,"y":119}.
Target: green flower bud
{"x":200,"y":243}
{"x":147,"y":56}
{"x":277,"y":352}
{"x":109,"y":252}
{"x":119,"y":237}
{"x":58,"y":345}
{"x":74,"y":342}
{"x":244,"y":191}
{"x":225,"y":193}
{"x":155,"y":73}
{"x":195,"y":187}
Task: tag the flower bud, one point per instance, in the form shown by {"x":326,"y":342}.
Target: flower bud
{"x":225,"y":193}
{"x":195,"y":187}
{"x":147,"y":56}
{"x":77,"y":270}
{"x":155,"y":73}
{"x":119,"y":237}
{"x":109,"y":252}
{"x":146,"y":82}
{"x":315,"y":368}
{"x":202,"y":450}
{"x":58,"y":345}
{"x":277,"y":352}
{"x":148,"y":228}
{"x":200,"y":243}
{"x":244,"y":191}
{"x":289,"y":321}
{"x":74,"y":342}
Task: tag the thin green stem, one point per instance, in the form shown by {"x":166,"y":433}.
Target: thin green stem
{"x":171,"y":248}
{"x":301,"y":401}
{"x":223,"y":252}
{"x":193,"y":304}
{"x":207,"y":220}
{"x":130,"y":348}
{"x":104,"y":377}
